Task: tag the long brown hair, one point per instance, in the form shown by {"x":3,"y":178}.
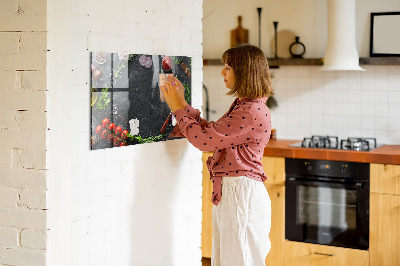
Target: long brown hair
{"x":250,"y":66}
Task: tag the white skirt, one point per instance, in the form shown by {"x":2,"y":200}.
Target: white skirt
{"x":241,"y":223}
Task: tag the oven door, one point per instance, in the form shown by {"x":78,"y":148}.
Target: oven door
{"x":327,"y":213}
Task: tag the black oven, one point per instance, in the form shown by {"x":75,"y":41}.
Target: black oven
{"x":327,"y":202}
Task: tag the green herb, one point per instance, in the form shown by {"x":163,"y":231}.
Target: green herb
{"x":187,"y":92}
{"x":131,"y":56}
{"x":117,"y":73}
{"x":104,"y":99}
{"x":150,"y":139}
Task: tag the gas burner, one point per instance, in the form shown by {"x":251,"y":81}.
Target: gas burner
{"x":332,"y":142}
{"x":358,"y":144}
{"x":327,"y":142}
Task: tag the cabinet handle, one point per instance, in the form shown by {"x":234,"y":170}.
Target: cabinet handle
{"x":324,"y":254}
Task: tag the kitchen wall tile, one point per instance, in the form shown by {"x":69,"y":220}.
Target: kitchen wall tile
{"x":355,"y":122}
{"x":380,"y":71}
{"x":367,"y":96}
{"x":329,"y":109}
{"x":381,"y":110}
{"x":394,"y":82}
{"x":355,"y":96}
{"x":394,"y":110}
{"x":394,"y":97}
{"x":342,"y":122}
{"x":292,"y":82}
{"x":317,"y":107}
{"x":368,"y":123}
{"x":394,"y":137}
{"x":329,"y":93}
{"x":368,"y":110}
{"x":394,"y":123}
{"x":394,"y":71}
{"x":367,"y":133}
{"x":381,"y":97}
{"x":355,"y":132}
{"x":303,"y":82}
{"x":381,"y":84}
{"x":329,"y":122}
{"x":328,"y":74}
{"x":342,"y":80}
{"x":381,"y":136}
{"x":317,"y":121}
{"x":304,"y":72}
{"x":381,"y":123}
{"x":355,"y":109}
{"x":315,"y":72}
{"x":291,"y":71}
{"x":342,"y":96}
{"x":342,"y":109}
{"x":354,"y":80}
{"x":367,"y":81}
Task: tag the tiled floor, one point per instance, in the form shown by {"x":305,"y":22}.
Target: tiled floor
{"x":206,"y":261}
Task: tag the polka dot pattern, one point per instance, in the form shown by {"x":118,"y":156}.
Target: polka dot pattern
{"x":238,"y":139}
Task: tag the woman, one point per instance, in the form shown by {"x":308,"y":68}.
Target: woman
{"x":242,"y":208}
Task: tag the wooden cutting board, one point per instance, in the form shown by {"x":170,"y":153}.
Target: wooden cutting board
{"x":239,"y":35}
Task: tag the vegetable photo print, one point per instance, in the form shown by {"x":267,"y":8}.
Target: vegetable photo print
{"x":127,"y":105}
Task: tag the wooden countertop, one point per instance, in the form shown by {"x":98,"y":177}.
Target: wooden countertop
{"x":389,"y":154}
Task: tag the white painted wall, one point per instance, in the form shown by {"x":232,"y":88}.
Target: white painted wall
{"x":311,"y":102}
{"x":135,"y":205}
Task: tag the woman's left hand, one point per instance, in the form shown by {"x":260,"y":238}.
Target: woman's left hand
{"x":170,"y":90}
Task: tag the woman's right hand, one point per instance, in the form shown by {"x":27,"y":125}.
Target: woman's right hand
{"x":181,"y":90}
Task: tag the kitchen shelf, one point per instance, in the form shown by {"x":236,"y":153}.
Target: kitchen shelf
{"x":380,"y":61}
{"x":274,"y":63}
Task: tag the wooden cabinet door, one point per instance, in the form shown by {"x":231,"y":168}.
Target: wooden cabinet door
{"x":304,"y":254}
{"x":274,"y":168}
{"x":206,"y":226}
{"x":277,"y":233}
{"x":384,"y":237}
{"x":385,"y":178}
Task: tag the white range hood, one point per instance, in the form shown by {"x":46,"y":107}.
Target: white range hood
{"x":341,"y":51}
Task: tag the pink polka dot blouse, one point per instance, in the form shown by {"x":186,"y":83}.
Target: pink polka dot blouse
{"x":238,"y":139}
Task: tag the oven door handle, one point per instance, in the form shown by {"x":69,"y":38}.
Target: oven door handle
{"x":357,"y":185}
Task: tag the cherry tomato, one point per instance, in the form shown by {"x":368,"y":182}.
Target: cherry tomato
{"x":98,"y":129}
{"x":104,"y":134}
{"x":110,"y":138}
{"x":167,"y":63}
{"x":118,"y":131}
{"x":111,"y":127}
{"x":124,"y":134}
{"x":117,"y":142}
{"x":123,"y":144}
{"x":105,"y":122}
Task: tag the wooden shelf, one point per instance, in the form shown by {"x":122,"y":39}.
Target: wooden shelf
{"x":274,"y":63}
{"x":380,"y":61}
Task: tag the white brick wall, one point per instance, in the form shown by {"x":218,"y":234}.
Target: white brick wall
{"x":135,"y":205}
{"x":23,"y":125}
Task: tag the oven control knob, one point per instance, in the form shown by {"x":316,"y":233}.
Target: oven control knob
{"x":308,"y":166}
{"x":343,"y":168}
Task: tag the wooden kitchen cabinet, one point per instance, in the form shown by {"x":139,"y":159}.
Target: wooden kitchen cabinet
{"x":384,"y":236}
{"x":385,"y":215}
{"x":206,"y":225}
{"x":385,"y":178}
{"x":305,"y":254}
{"x":277,"y":233}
